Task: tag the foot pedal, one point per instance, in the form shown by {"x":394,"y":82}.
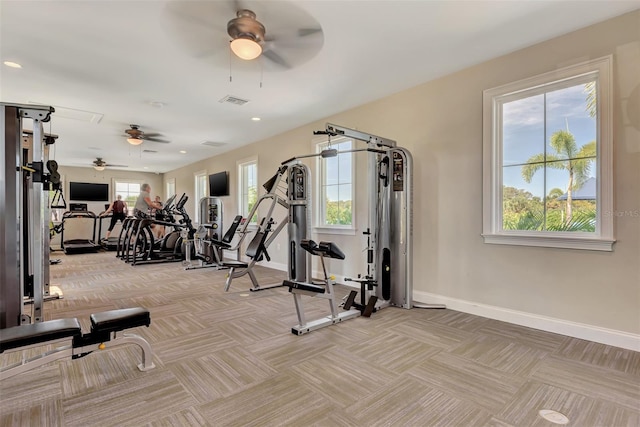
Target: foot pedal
{"x":370,"y":307}
{"x":350,"y":299}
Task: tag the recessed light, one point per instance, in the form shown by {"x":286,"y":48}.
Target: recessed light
{"x":255,"y":119}
{"x":183,"y":152}
{"x":146,"y":167}
{"x":157,"y":104}
{"x":12,"y":64}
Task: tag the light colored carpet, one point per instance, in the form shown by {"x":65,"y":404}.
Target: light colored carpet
{"x":229,"y":359}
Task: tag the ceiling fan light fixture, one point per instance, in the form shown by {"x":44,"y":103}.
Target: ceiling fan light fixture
{"x":134,"y":141}
{"x":246,"y":48}
{"x":99,"y":168}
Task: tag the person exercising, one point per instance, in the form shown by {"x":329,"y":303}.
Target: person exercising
{"x":144,"y":207}
{"x":119,"y":209}
{"x":144,"y":204}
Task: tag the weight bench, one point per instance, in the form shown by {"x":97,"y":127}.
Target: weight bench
{"x":105,"y":327}
{"x":257,"y":251}
{"x":323,"y":289}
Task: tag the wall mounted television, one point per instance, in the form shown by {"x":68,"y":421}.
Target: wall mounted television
{"x":219,"y":184}
{"x":88,"y":192}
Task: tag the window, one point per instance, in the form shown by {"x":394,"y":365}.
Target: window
{"x":170,"y":188}
{"x":248,"y":187}
{"x":335,"y":186}
{"x":548,"y":160}
{"x":129,"y":190}
{"x":200,"y":190}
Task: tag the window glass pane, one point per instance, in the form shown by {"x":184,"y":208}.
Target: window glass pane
{"x":548,"y":172}
{"x":248,"y":188}
{"x":335,"y":185}
{"x":332,"y":171}
{"x":344,"y":168}
{"x":522,"y":202}
{"x":522,"y":130}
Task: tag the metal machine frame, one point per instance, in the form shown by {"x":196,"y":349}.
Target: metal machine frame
{"x":24,"y":206}
{"x":389,"y":252}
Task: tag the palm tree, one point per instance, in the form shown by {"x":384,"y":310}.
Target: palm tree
{"x":576,"y":161}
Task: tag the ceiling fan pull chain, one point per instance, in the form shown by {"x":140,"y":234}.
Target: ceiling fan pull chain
{"x":230,"y":78}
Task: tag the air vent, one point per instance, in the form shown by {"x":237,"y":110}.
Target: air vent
{"x":149,"y":151}
{"x":233,"y":100}
{"x":213,"y":144}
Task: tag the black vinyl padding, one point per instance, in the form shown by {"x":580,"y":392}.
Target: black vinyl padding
{"x":117,"y":320}
{"x":101,"y":325}
{"x":235,"y":264}
{"x":328,"y":249}
{"x":304,"y":286}
{"x":36,"y":333}
{"x":225,"y":243}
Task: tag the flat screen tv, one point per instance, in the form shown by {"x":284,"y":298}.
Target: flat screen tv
{"x":88,"y":192}
{"x":219,"y":184}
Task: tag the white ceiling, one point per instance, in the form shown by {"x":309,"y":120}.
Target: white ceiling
{"x":116,"y":58}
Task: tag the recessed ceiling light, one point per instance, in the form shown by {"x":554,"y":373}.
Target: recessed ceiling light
{"x":183,"y":152}
{"x":157,"y":104}
{"x":255,"y":119}
{"x":12,"y":64}
{"x":146,"y":167}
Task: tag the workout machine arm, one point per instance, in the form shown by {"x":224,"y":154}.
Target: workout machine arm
{"x":336,"y":130}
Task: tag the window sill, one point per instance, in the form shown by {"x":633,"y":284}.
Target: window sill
{"x":335,"y":230}
{"x":584,"y":243}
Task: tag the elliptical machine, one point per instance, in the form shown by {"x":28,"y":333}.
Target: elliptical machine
{"x":141,"y":247}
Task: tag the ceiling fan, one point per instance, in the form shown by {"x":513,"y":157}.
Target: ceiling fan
{"x":99,"y":164}
{"x":285,"y":35}
{"x":135,"y":136}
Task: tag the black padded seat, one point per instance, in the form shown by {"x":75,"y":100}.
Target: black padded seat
{"x":328,"y":249}
{"x":304,"y":287}
{"x":235,"y":264}
{"x":117,"y":320}
{"x":38,"y":333}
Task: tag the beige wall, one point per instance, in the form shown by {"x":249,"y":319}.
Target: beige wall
{"x":107,"y":176}
{"x":440,"y":122}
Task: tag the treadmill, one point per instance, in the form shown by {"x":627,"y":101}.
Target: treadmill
{"x":75,"y":244}
{"x":111,"y":243}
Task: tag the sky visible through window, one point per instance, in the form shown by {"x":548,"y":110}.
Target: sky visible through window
{"x":524,"y":135}
{"x":338,"y":174}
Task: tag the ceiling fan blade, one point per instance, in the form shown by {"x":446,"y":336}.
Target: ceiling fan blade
{"x":304,"y":32}
{"x":162,"y":141}
{"x":152,"y":134}
{"x":117,"y":166}
{"x":199,"y":26}
{"x":275,"y":58}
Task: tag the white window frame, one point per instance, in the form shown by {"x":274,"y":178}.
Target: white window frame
{"x":115,"y":181}
{"x":243,"y":202}
{"x":320,"y":195}
{"x":169,"y":188}
{"x":603,"y":238}
{"x":197,"y":194}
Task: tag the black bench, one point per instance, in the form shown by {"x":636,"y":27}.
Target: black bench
{"x":118,"y":320}
{"x":104,"y":329}
{"x":38,"y":333}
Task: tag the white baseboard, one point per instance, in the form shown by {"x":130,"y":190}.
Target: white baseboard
{"x":564,"y":327}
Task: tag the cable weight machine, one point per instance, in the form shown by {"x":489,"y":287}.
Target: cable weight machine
{"x":28,"y":175}
{"x":388,"y":280}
